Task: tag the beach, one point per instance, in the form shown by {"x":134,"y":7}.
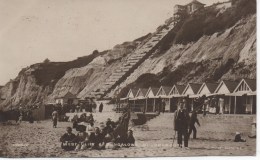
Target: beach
{"x":40,"y":139}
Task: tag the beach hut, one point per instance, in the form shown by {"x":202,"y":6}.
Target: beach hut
{"x":225,"y":90}
{"x":66,"y":98}
{"x":151,"y":96}
{"x":140,"y":100}
{"x":245,"y":94}
{"x":175,"y":95}
{"x":131,"y":98}
{"x":190,"y":92}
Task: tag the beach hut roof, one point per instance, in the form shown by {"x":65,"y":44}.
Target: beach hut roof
{"x":194,"y":87}
{"x":164,"y":90}
{"x":154,"y":91}
{"x":176,"y":89}
{"x":133,"y":92}
{"x":230,"y":85}
{"x":250,"y":84}
{"x":66,"y":95}
{"x":167,"y":89}
{"x":210,"y":86}
{"x":142,"y":92}
{"x":180,"y":88}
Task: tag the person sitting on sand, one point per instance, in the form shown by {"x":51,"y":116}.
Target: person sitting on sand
{"x":90,"y":118}
{"x":81,"y":138}
{"x":109,"y":142}
{"x":82,"y":117}
{"x":90,"y":127}
{"x":67,"y":139}
{"x":238,"y":138}
{"x":110,"y":125}
{"x":130,"y":140}
{"x":96,"y":138}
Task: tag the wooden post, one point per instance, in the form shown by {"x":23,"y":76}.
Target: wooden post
{"x":252,"y":101}
{"x":235,"y":109}
{"x":134,"y":105}
{"x":170,"y":104}
{"x":145,"y":105}
{"x":154,"y":105}
{"x":192,"y":104}
{"x":229,"y":105}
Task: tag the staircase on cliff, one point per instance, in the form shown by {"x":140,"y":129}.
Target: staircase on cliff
{"x":132,"y":62}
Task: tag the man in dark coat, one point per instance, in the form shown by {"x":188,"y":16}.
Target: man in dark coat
{"x":101,"y":107}
{"x":181,"y":123}
{"x":193,"y":120}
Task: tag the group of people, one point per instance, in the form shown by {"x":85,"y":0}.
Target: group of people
{"x":23,"y":115}
{"x":184,"y":124}
{"x":212,"y":105}
{"x":103,"y":136}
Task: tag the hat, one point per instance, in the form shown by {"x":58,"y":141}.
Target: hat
{"x":237,"y":133}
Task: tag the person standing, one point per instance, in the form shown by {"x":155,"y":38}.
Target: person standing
{"x":163,"y":106}
{"x":221,"y":105}
{"x":181,"y":122}
{"x":101,"y":107}
{"x":126,"y":118}
{"x":54,"y":118}
{"x":205,"y":107}
{"x":94,"y":105}
{"x":192,"y":128}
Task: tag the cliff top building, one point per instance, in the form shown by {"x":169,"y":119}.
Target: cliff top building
{"x":180,"y":11}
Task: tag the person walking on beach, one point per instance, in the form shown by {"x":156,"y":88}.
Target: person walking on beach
{"x":101,"y":107}
{"x":192,"y":128}
{"x":54,"y":118}
{"x":181,"y":122}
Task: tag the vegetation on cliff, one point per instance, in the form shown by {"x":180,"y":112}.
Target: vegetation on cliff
{"x":206,"y":22}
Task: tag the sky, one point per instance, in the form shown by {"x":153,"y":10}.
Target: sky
{"x":62,"y":30}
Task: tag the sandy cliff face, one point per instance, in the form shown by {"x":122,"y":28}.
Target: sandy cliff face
{"x":81,"y":81}
{"x":24,"y":90}
{"x":228,"y":53}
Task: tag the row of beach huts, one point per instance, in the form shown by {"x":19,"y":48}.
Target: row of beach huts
{"x":237,"y":97}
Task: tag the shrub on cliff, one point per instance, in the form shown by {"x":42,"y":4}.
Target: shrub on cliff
{"x":208,"y":21}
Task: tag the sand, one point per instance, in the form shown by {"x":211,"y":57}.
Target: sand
{"x":41,"y":140}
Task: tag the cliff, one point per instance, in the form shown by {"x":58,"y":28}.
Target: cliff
{"x":210,"y":45}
